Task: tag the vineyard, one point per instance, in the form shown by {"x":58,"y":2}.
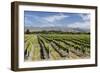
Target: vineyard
{"x":56,"y":46}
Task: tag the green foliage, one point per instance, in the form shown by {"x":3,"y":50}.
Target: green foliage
{"x":58,"y":45}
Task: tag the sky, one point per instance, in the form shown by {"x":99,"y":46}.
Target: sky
{"x":56,"y":19}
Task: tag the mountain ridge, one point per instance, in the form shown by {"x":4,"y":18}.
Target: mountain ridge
{"x":63,"y":29}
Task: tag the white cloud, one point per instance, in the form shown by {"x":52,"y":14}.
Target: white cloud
{"x":85,"y":25}
{"x":54,"y":18}
{"x":85,"y":17}
{"x":50,"y":20}
{"x":48,"y":24}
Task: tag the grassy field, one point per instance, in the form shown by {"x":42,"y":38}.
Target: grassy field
{"x":56,"y":46}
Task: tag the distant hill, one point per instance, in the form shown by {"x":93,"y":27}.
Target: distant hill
{"x":62,"y":29}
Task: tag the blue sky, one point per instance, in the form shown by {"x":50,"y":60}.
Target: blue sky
{"x":56,"y":19}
